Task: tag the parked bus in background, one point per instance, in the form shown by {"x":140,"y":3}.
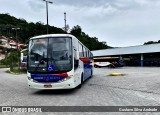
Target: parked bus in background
{"x":58,"y":61}
{"x":111,"y":62}
{"x":23,"y":64}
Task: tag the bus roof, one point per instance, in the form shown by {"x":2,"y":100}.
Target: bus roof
{"x":52,"y":35}
{"x":57,"y":35}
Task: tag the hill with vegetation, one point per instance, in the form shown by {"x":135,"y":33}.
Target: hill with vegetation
{"x":151,"y":42}
{"x":30,"y":29}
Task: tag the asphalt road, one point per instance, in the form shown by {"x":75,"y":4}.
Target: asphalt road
{"x":138,"y":87}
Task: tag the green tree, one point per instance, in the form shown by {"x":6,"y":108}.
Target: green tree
{"x":91,"y":42}
{"x":12,"y":59}
{"x":149,"y":42}
{"x":76,"y":31}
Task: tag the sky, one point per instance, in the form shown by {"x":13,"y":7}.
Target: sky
{"x":120,"y":23}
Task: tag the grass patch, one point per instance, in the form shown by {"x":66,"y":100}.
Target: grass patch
{"x":15,"y":71}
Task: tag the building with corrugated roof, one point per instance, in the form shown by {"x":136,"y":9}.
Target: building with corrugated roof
{"x":142,"y":55}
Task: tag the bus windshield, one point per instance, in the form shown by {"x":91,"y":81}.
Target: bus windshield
{"x":50,"y":55}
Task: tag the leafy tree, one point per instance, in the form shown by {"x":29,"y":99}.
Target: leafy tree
{"x":91,"y":42}
{"x":26,"y":31}
{"x":12,"y":59}
{"x":76,"y":31}
{"x":149,"y":42}
{"x":152,"y":42}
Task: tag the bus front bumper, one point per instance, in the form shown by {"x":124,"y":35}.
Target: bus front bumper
{"x":68,"y":84}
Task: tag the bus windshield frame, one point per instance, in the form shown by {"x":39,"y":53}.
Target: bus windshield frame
{"x":50,"y":55}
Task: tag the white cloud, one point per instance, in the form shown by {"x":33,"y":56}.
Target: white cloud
{"x":118,"y":22}
{"x":36,"y":5}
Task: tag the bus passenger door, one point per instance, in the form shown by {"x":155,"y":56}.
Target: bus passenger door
{"x":77,"y":66}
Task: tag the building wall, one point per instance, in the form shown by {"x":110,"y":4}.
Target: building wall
{"x":6,"y":44}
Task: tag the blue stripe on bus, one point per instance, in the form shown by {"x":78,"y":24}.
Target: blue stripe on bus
{"x":87,"y":70}
{"x":47,"y":77}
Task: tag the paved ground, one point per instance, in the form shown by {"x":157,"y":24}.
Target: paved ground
{"x":139,"y":87}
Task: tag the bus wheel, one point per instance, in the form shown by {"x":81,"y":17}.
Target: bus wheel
{"x":95,"y":66}
{"x":80,"y":85}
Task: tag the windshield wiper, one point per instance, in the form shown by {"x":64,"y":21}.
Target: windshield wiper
{"x":42,"y":61}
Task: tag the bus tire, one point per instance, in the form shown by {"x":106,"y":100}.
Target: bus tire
{"x":80,"y":85}
{"x":91,"y":74}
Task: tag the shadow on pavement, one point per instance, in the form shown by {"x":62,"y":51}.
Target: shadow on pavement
{"x":55,"y":92}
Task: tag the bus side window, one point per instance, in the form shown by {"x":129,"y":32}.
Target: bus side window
{"x":84,"y":52}
{"x":87,"y":53}
{"x":80,"y":50}
{"x":76,"y":61}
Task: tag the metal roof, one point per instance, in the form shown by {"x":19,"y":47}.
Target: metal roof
{"x":128,"y":50}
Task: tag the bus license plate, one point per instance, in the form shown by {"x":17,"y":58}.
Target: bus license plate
{"x":48,"y":86}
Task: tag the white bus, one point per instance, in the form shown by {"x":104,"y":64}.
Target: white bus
{"x":23,"y":64}
{"x":111,"y":62}
{"x":58,"y":61}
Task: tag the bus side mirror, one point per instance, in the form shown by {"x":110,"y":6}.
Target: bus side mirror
{"x":76,"y":54}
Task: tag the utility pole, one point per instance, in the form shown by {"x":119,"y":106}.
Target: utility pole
{"x":65,"y":26}
{"x":16,"y":36}
{"x":47,"y":11}
{"x":16,"y":47}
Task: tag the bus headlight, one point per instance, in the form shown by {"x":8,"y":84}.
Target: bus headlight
{"x":32,"y":80}
{"x":67,"y":78}
{"x":29,"y":78}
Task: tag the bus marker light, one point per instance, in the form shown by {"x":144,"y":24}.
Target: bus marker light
{"x":65,"y":79}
